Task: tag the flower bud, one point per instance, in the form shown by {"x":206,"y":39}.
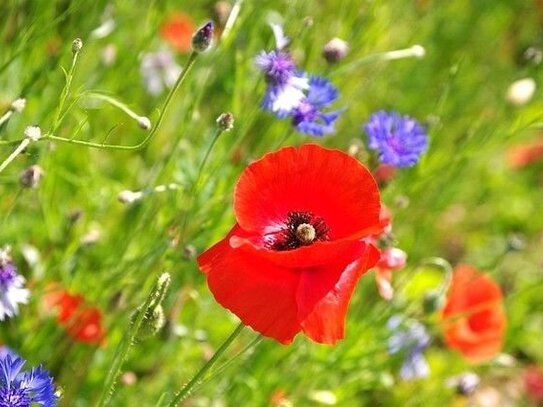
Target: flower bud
{"x":18,"y":105}
{"x":432,"y":302}
{"x":30,"y":178}
{"x":201,"y":40}
{"x":335,"y":50}
{"x":77,"y":44}
{"x":33,"y":133}
{"x":129,"y":197}
{"x":521,"y":92}
{"x":144,"y":123}
{"x":226,"y":121}
{"x":152,"y":322}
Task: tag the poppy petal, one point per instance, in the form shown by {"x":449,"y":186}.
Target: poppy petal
{"x":324,"y":316}
{"x":327,"y":183}
{"x":260,"y":293}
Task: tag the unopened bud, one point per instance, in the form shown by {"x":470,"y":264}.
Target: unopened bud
{"x":335,"y":50}
{"x":432,"y":302}
{"x":226,"y":121}
{"x":144,"y":123}
{"x":30,"y":178}
{"x":521,"y":92}
{"x":77,"y":44}
{"x":33,"y":133}
{"x":18,"y":105}
{"x":129,"y":197}
{"x":152,"y":322}
{"x":201,"y":40}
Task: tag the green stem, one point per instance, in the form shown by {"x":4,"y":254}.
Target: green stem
{"x":5,"y":117}
{"x":24,"y":143}
{"x":124,"y":346}
{"x":153,"y":132}
{"x":186,"y":390}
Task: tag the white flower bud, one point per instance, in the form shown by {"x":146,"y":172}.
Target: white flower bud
{"x":521,"y":92}
{"x":33,"y":133}
{"x":129,"y":197}
{"x":18,"y":105}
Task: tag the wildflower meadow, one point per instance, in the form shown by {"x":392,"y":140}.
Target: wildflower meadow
{"x":271,"y":203}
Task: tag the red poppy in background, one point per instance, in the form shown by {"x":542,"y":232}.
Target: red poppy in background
{"x":293,"y":259}
{"x":523,"y":155}
{"x":177,"y":31}
{"x":83,"y":323}
{"x":473,"y":317}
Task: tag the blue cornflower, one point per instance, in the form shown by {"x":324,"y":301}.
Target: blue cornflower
{"x":413,"y":340}
{"x":22,"y":389}
{"x":400,"y":140}
{"x":308,"y":117}
{"x":12,"y":292}
{"x":277,"y":66}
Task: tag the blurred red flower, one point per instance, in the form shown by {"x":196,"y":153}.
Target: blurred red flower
{"x":392,"y":259}
{"x":473,"y":317}
{"x":533,"y":384}
{"x":523,"y":155}
{"x":83,"y":323}
{"x":293,"y":259}
{"x":177,"y":31}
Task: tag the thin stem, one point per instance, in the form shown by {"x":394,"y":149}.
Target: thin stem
{"x":186,"y":390}
{"x":124,"y":346}
{"x":114,"y":102}
{"x":150,"y":136}
{"x":5,"y":117}
{"x":64,"y":94}
{"x":26,"y":141}
{"x":218,"y":132}
{"x":416,"y":51}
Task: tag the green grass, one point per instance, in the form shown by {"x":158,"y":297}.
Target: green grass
{"x":465,"y":203}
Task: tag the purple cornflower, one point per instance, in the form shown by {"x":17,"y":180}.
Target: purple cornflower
{"x":22,"y":389}
{"x":412,"y":339}
{"x":307,"y":117}
{"x":400,"y":140}
{"x":12,"y":292}
{"x":277,"y":66}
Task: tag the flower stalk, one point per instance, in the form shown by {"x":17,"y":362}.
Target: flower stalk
{"x":187,"y":388}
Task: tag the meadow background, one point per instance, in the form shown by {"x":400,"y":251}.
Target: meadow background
{"x":464,"y":202}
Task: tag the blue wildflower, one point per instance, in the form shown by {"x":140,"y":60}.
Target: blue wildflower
{"x":282,"y":99}
{"x":412,"y":340}
{"x":400,"y":140}
{"x":22,"y":389}
{"x":12,"y":292}
{"x":277,"y":66}
{"x":308,"y":117}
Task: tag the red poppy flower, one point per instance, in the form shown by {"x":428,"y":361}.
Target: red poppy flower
{"x":474,"y":320}
{"x":293,"y":259}
{"x":86,"y":326}
{"x":523,"y":155}
{"x":83,"y":323}
{"x":177,"y":30}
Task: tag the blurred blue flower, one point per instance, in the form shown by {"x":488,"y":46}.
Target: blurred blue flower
{"x":307,"y":117}
{"x":12,"y":292}
{"x":400,"y":140}
{"x":22,"y":389}
{"x":412,"y":339}
{"x":277,"y":66}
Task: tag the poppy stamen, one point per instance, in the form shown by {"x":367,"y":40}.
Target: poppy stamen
{"x":300,"y":229}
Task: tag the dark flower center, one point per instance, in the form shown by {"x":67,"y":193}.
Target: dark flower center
{"x":300,"y":229}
